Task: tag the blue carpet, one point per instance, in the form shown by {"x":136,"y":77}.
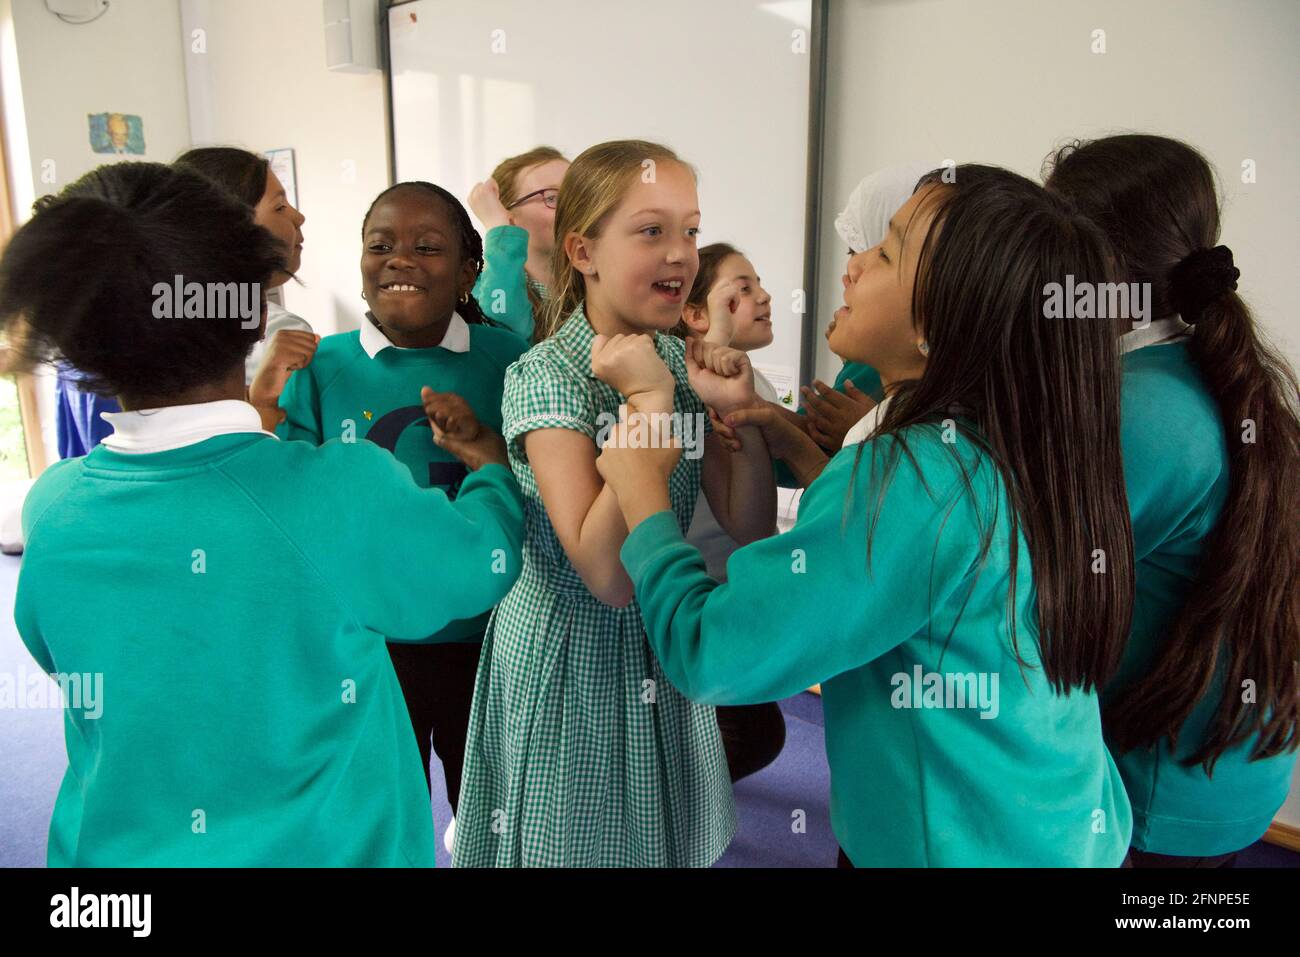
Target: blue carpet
{"x":766,"y":802}
{"x":784,"y":815}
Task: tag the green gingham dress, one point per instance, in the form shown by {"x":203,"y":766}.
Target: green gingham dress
{"x":580,"y":753}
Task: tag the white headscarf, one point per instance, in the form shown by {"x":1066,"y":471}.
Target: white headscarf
{"x":865,"y":220}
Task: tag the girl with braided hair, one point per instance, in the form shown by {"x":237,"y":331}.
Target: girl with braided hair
{"x":424,"y":332}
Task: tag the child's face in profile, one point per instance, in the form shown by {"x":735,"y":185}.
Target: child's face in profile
{"x":412,"y":270}
{"x":875,"y":324}
{"x":752,"y":320}
{"x":274,"y":214}
{"x":534,"y":215}
{"x":645,"y":260}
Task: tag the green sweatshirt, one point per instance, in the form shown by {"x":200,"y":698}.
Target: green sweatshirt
{"x":864,"y":377}
{"x":502,"y":286}
{"x":234,"y":596}
{"x":938,"y":758}
{"x":1176,"y":470}
{"x":345,"y":394}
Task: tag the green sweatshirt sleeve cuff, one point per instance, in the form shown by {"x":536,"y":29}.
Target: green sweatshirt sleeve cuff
{"x":493,"y":474}
{"x":645,"y":540}
{"x":506,"y":241}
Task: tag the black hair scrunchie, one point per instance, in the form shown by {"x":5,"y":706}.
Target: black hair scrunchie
{"x":1200,"y":278}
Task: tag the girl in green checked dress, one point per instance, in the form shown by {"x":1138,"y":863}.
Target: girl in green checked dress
{"x":580,"y":752}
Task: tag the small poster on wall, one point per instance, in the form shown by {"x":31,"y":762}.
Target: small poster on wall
{"x":283,"y":167}
{"x":120,"y":133}
{"x":782,"y":379}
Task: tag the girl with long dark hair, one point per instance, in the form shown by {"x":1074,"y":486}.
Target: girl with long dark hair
{"x":1202,"y":716}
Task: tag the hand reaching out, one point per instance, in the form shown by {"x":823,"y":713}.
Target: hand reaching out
{"x":785,"y":439}
{"x":832,"y":413}
{"x":731,"y":438}
{"x":458,"y":430}
{"x":641,"y":448}
{"x":288,"y":351}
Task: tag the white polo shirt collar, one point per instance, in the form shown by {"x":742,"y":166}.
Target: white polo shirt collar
{"x":176,"y":426}
{"x":373,"y":340}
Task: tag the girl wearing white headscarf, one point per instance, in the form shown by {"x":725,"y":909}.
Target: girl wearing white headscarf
{"x":833,"y":410}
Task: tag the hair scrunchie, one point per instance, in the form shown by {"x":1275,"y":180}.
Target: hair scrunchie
{"x":1200,"y":278}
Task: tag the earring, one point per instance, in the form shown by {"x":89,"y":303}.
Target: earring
{"x":464,"y":298}
{"x":924,"y":347}
{"x":363,"y":294}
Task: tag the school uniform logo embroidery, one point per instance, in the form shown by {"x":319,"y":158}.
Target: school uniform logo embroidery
{"x":447,"y":476}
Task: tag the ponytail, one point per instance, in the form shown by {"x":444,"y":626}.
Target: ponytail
{"x":1155,"y":197}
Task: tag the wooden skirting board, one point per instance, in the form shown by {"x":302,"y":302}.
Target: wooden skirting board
{"x":1284,"y":835}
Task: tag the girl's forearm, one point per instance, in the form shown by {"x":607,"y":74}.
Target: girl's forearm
{"x":596,"y":553}
{"x":806,"y":462}
{"x":752,"y":498}
{"x":647,"y":496}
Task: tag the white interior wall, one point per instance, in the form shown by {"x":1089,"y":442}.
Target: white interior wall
{"x":55,"y":74}
{"x":262,"y":84}
{"x":1006,"y":81}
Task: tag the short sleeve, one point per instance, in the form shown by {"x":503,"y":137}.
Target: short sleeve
{"x":540,"y":394}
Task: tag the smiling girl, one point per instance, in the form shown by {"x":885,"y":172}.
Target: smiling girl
{"x":728,"y":305}
{"x":581,"y":753}
{"x":420,"y":256}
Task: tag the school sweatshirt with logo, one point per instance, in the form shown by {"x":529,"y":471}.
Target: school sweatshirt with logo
{"x":346,"y":394}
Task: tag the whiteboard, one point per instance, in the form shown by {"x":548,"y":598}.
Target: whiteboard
{"x":724,"y":83}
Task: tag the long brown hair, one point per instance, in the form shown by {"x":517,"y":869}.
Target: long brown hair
{"x":594,"y":184}
{"x":507,"y":176}
{"x":1155,"y":198}
{"x":1039,"y":396}
{"x":239,"y":171}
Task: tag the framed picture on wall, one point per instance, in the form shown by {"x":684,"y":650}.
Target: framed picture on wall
{"x":282,"y":165}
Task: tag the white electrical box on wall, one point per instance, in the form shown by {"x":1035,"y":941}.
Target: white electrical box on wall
{"x":76,"y":10}
{"x":351,"y":44}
